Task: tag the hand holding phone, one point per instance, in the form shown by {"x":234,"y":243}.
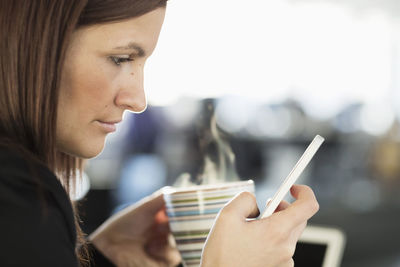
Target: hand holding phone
{"x":293,"y":175}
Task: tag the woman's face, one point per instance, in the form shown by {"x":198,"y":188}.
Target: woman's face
{"x":102,"y":77}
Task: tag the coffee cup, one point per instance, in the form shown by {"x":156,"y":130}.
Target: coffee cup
{"x":192,"y":212}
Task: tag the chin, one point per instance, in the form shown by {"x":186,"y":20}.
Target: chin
{"x":84,"y":151}
{"x":91,"y":152}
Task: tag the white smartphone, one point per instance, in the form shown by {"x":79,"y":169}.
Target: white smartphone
{"x":293,"y":175}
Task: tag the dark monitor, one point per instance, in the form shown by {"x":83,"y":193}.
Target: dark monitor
{"x":309,"y":255}
{"x":319,"y":247}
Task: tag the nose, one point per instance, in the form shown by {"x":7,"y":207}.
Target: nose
{"x":131,"y":95}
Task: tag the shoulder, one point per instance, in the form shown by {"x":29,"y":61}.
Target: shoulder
{"x":37,"y":222}
{"x":19,"y":174}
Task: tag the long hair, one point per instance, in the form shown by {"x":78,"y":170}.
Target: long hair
{"x":34,"y":37}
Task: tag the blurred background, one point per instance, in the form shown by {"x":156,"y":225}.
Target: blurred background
{"x":238,"y":90}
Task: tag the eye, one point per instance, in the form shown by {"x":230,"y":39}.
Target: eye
{"x":118,"y":60}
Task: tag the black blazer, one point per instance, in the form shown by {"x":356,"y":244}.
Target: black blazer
{"x":36,"y":218}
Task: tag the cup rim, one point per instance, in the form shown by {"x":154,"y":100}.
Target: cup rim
{"x":170,"y":190}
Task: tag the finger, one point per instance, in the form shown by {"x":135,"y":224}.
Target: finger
{"x":303,"y":208}
{"x":147,"y":206}
{"x":298,"y":231}
{"x":164,"y":250}
{"x":243,"y":205}
{"x":153,"y":203}
{"x":282,"y":206}
{"x":149,"y":262}
{"x":139,"y":258}
{"x":162,"y":228}
{"x":289,"y":263}
{"x":161,"y":217}
{"x":169,"y":255}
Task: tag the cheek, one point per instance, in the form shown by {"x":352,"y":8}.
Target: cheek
{"x":84,"y":95}
{"x":92,"y":88}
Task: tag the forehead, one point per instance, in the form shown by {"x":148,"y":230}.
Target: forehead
{"x":143,"y":30}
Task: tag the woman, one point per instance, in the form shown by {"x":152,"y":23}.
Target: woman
{"x":68,"y":71}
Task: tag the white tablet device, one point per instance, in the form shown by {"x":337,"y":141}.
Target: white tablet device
{"x":320,"y":247}
{"x":293,"y":175}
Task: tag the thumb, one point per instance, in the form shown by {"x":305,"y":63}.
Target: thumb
{"x":243,"y":205}
{"x":152,"y":205}
{"x":148,"y":206}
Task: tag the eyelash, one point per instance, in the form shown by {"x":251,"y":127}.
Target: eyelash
{"x":120,"y":60}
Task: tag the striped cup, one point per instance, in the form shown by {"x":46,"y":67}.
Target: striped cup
{"x":192,"y":211}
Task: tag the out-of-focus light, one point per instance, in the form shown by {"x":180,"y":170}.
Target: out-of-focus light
{"x":271,"y":122}
{"x":321,"y":107}
{"x":348,"y":120}
{"x":140,"y":176}
{"x":377,"y":118}
{"x":232,"y":113}
{"x":182,"y":112}
{"x":362,"y":195}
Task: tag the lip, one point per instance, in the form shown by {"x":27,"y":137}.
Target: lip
{"x":108,"y":126}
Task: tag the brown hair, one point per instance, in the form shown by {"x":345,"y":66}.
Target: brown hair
{"x":34,"y":38}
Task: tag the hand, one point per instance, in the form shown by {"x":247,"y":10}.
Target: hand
{"x":271,"y":241}
{"x":138,"y":236}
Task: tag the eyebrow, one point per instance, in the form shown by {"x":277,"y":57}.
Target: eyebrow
{"x":132,"y":46}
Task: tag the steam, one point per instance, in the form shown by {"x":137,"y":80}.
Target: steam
{"x":219,"y":160}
